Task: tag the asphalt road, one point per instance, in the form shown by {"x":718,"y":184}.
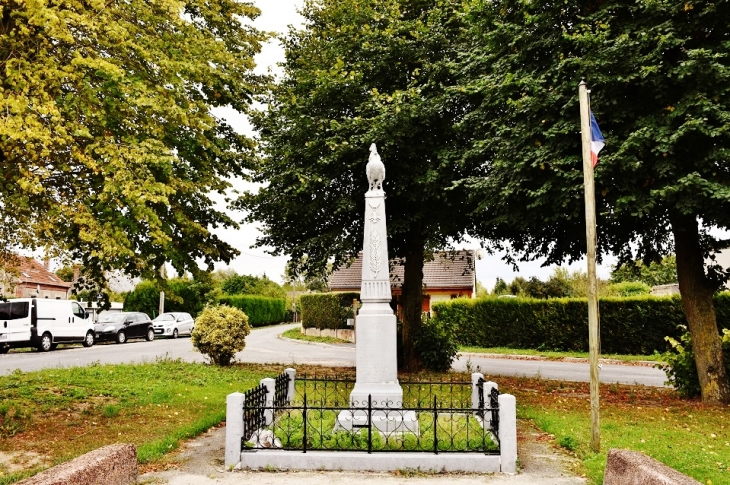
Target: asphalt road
{"x":264,"y":346}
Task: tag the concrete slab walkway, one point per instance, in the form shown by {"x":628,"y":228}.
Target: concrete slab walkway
{"x":200,"y":462}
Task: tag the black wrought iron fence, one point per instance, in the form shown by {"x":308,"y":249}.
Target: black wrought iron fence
{"x":281,"y":389}
{"x":434,"y":416}
{"x":494,"y":409}
{"x":335,"y":391}
{"x":254,"y":408}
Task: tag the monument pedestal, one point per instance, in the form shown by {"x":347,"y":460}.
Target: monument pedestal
{"x":376,"y":361}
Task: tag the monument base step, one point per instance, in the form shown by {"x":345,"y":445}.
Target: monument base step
{"x":360,"y":461}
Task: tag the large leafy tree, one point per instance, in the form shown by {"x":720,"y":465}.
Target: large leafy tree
{"x":108,"y":148}
{"x":660,"y":77}
{"x":358,"y":73}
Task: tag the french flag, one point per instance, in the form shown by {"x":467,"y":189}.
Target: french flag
{"x":597,"y":142}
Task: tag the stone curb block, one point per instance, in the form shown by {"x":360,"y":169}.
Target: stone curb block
{"x":624,"y":467}
{"x":109,"y":465}
{"x":340,"y":333}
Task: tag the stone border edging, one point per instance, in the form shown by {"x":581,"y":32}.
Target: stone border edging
{"x":109,"y":465}
{"x":625,"y":467}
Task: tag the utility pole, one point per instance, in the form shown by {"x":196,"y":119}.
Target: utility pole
{"x":163,"y":273}
{"x":590,"y":202}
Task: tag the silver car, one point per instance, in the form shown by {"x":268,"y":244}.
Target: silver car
{"x":173,"y":324}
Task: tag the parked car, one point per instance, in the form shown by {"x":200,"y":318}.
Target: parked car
{"x":173,"y":324}
{"x":43,"y":323}
{"x":123,"y":326}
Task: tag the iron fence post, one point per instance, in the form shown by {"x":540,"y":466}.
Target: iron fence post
{"x":435,"y":427}
{"x":370,"y":423}
{"x":304,"y":422}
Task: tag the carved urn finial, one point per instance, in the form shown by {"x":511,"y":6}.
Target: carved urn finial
{"x":375,"y":169}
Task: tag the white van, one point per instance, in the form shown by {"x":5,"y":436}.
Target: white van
{"x":43,"y":323}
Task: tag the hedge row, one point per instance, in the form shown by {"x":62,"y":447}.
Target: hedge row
{"x":327,"y":310}
{"x":634,"y":325}
{"x":261,"y":310}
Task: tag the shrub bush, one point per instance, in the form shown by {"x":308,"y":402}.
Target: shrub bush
{"x":628,"y":325}
{"x":220,"y":331}
{"x":327,"y":310}
{"x":261,"y":310}
{"x":679,"y":363}
{"x":436,"y":344}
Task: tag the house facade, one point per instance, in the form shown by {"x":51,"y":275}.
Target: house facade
{"x":449,"y":275}
{"x":32,"y":279}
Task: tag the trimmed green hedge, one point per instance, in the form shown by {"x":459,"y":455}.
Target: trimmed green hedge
{"x":635,"y":325}
{"x":326,"y":310}
{"x":260,"y":310}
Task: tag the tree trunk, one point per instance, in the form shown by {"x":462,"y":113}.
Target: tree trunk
{"x":696,"y":291}
{"x":411,"y":300}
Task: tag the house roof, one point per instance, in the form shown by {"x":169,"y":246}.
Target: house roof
{"x":448,"y":269}
{"x":31,"y":271}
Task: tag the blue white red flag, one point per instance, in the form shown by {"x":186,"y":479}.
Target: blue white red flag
{"x":597,"y":142}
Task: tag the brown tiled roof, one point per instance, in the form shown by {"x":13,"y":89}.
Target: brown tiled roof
{"x":34,"y":272}
{"x":447,"y":270}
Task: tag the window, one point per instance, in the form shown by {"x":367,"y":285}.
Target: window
{"x":14,"y":310}
{"x":4,"y":311}
{"x":78,"y":311}
{"x":19,"y":309}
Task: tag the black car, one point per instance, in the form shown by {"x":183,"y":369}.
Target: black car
{"x":123,"y":326}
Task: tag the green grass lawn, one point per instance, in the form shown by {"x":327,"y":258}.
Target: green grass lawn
{"x":63,"y":413}
{"x":684,"y":434}
{"x":548,"y":354}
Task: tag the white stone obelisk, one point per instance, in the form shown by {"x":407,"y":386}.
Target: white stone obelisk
{"x":377,"y":398}
{"x":376,"y":352}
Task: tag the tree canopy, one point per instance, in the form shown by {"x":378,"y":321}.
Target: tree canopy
{"x":659,"y":76}
{"x":662,"y":272}
{"x":252,"y":285}
{"x":108,"y":148}
{"x":358,"y":73}
{"x":182,"y":294}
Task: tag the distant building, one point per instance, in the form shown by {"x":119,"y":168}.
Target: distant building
{"x":665,"y":290}
{"x":32,"y":279}
{"x":722,"y":258}
{"x":451,"y":274}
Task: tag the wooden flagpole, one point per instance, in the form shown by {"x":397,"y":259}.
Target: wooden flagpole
{"x":590,"y":201}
